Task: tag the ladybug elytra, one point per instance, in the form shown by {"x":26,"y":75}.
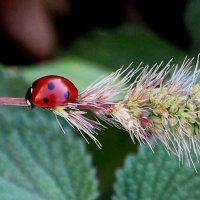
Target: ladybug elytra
{"x":51,"y":91}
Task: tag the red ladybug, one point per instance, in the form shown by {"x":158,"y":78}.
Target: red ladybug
{"x":51,"y":91}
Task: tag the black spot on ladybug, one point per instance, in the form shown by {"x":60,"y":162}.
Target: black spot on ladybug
{"x":51,"y":86}
{"x":45,"y":100}
{"x":34,"y":84}
{"x":66,"y":95}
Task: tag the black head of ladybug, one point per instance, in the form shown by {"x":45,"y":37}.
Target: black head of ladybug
{"x":29,"y":98}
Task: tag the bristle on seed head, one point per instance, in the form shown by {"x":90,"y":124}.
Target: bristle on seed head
{"x":162,"y":102}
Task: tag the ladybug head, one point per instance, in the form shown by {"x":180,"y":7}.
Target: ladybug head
{"x":29,"y":98}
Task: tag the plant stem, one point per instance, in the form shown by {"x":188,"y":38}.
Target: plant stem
{"x":9,"y":101}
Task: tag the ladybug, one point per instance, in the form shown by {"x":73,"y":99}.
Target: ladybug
{"x":51,"y":91}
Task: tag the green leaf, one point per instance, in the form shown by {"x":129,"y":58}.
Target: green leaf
{"x":80,"y":71}
{"x":120,"y":47}
{"x":38,"y":161}
{"x":156,"y":176}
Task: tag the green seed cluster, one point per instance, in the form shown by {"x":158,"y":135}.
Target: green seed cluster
{"x":175,"y":110}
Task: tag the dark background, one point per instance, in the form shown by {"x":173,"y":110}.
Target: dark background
{"x":36,"y":30}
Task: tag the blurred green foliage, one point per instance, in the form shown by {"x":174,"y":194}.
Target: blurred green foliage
{"x":33,"y":146}
{"x":192,"y":16}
